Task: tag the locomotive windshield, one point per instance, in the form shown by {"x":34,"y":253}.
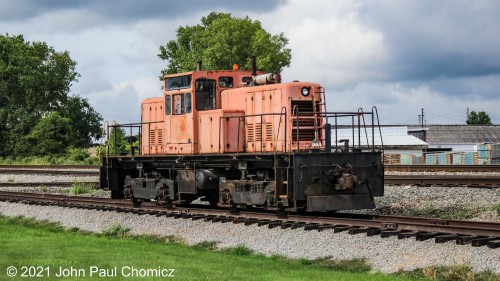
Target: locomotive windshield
{"x":178,"y":82}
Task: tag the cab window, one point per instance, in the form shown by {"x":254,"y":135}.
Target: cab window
{"x":168,"y":105}
{"x":188,"y":102}
{"x":182,"y":103}
{"x":205,"y":94}
{"x":178,"y":82}
{"x":178,"y":104}
{"x":246,"y":80}
{"x":226,"y":82}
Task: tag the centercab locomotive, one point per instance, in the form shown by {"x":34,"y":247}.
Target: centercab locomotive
{"x":240,"y":139}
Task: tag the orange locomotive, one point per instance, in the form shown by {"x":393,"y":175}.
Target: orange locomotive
{"x":240,"y":139}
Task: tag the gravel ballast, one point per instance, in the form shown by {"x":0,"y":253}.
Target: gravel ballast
{"x":384,"y":254}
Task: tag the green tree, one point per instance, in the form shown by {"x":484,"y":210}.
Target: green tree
{"x":479,"y":118}
{"x":34,"y":81}
{"x":85,"y":121}
{"x":51,"y":135}
{"x":117,"y":141}
{"x":221,"y":41}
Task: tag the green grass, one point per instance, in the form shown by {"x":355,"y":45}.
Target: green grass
{"x":450,"y":273}
{"x":496,"y":208}
{"x":78,"y":187}
{"x":48,"y":160}
{"x":40,"y":243}
{"x":115,"y":230}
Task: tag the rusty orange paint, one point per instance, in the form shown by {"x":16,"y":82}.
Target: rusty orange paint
{"x":264,"y":122}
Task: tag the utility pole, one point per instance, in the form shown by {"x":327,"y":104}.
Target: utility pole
{"x":421,"y":118}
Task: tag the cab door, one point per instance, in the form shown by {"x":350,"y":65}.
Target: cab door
{"x":207,"y":98}
{"x":181,"y":125}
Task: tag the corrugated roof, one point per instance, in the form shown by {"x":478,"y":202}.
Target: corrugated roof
{"x":462,"y":134}
{"x":391,"y":136}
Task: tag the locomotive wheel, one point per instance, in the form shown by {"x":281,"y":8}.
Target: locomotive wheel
{"x":162,"y":197}
{"x":280,"y":209}
{"x":127,"y":192}
{"x":233,"y":208}
{"x":213,"y":202}
{"x":117,"y":194}
{"x":137,"y":202}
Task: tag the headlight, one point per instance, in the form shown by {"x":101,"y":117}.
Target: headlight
{"x":305,"y":91}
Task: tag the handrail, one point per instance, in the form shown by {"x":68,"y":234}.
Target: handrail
{"x":375,"y":110}
{"x":360,"y":116}
{"x":131,"y":126}
{"x":295,"y":114}
{"x":364,"y":126}
{"x":278,"y":131}
{"x":262,"y":129}
{"x":288,"y":135}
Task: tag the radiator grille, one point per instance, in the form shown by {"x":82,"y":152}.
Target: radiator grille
{"x":250,"y":133}
{"x":258,"y":132}
{"x":152,"y":137}
{"x":159,"y":137}
{"x":269,"y":131}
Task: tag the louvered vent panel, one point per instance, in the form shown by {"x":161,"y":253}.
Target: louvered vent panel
{"x":258,"y":132}
{"x":152,"y":137}
{"x":250,"y":133}
{"x":269,"y":131}
{"x":159,"y":137}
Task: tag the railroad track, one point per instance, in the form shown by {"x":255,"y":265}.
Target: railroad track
{"x":51,"y":167}
{"x":444,"y":180}
{"x":71,"y":170}
{"x":462,"y":232}
{"x":47,"y":184}
{"x":442,"y":168}
{"x":414,"y":180}
{"x":474,"y":180}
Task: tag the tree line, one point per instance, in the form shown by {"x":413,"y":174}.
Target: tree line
{"x":37,"y":114}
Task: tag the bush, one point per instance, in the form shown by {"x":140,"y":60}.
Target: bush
{"x":81,"y":188}
{"x":78,"y":154}
{"x":209,"y":245}
{"x":115,"y":230}
{"x":459,"y":272}
{"x":240,"y":250}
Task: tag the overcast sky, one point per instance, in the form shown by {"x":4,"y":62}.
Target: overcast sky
{"x":400,"y":56}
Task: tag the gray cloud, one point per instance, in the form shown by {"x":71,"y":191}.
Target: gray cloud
{"x":429,"y":39}
{"x":127,"y":10}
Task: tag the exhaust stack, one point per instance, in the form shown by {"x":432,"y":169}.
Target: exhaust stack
{"x":254,"y":66}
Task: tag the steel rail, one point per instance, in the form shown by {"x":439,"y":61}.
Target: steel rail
{"x":444,"y":180}
{"x":488,"y":181}
{"x":463,"y":232}
{"x":46,"y":171}
{"x":52,"y":167}
{"x":47,"y":184}
{"x":442,"y":168}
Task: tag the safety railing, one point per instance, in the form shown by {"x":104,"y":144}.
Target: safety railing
{"x":130,"y":127}
{"x":358,"y":129}
{"x":258,"y":134}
